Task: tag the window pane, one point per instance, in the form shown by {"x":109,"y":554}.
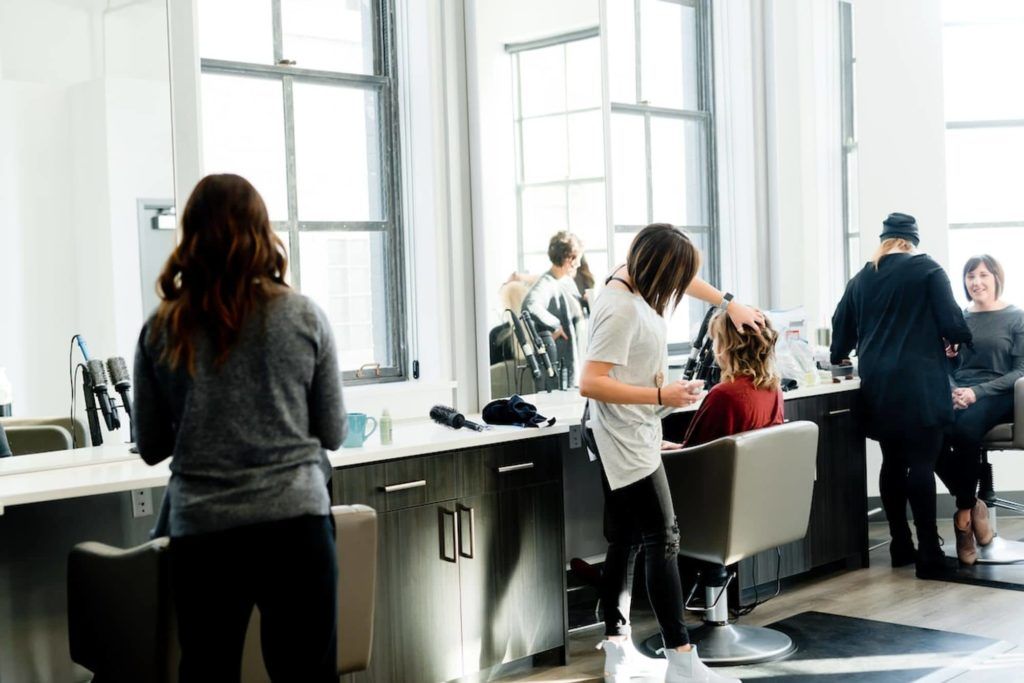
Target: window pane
{"x":1002,"y":243}
{"x":337,"y":154}
{"x":629,"y":180}
{"x":243,"y":133}
{"x":983,"y":171}
{"x":677,"y":171}
{"x":981,"y":61}
{"x":236,"y":30}
{"x":583,"y":74}
{"x":668,"y":59}
{"x":997,"y":10}
{"x":587,"y":215}
{"x":599,"y":266}
{"x":544,"y":214}
{"x":621,"y":247}
{"x":537,"y":263}
{"x":544,"y":149}
{"x":586,"y":145}
{"x":856,"y":262}
{"x":329,"y":35}
{"x":622,"y":51}
{"x":542,"y":80}
{"x":346,"y":274}
{"x":684,"y":323}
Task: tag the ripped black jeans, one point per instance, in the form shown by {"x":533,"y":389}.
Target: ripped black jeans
{"x":635,"y":516}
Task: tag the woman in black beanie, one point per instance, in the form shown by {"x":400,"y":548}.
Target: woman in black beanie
{"x":899,"y":313}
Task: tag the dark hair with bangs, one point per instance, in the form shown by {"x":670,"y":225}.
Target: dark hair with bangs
{"x":991,"y":265}
{"x":229,"y":262}
{"x":662,"y":262}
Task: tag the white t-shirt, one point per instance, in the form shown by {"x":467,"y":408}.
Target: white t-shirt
{"x":627,"y":333}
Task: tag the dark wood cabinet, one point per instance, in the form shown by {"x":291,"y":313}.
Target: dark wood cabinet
{"x":471,"y":565}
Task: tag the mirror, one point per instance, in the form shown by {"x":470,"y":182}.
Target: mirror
{"x":538,"y":159}
{"x":86,"y":173}
{"x":563,"y":145}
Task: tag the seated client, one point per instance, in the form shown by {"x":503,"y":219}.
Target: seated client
{"x":983,"y":378}
{"x":748,"y":396}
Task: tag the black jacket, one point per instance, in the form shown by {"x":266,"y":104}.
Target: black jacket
{"x":897,"y":317}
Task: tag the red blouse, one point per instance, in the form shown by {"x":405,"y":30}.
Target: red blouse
{"x":734,"y":407}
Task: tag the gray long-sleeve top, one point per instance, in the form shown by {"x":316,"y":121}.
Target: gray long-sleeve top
{"x":997,"y":359}
{"x":246,"y":440}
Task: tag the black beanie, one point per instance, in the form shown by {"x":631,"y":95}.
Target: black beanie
{"x":900,"y":225}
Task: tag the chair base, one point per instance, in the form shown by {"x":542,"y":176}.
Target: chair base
{"x":729,"y":644}
{"x":1001,"y":551}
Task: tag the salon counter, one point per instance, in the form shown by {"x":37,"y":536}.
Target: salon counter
{"x":110,"y":468}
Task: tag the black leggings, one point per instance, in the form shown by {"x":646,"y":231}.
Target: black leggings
{"x":288,"y":569}
{"x":958,"y":463}
{"x":635,"y":516}
{"x":908,"y":473}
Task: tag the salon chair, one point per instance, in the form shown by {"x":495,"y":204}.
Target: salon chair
{"x":121,"y":623}
{"x":1003,"y":437}
{"x":735,"y":497}
{"x":29,"y":435}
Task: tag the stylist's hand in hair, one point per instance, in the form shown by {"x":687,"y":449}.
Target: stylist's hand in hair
{"x":678,"y":394}
{"x":745,"y":316}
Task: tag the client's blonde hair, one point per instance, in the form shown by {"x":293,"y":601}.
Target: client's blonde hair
{"x":891,"y":244}
{"x":750,"y":352}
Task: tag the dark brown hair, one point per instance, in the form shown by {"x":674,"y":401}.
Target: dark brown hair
{"x":662,"y":262}
{"x":563,"y":245}
{"x":229,"y":262}
{"x":747,"y":352}
{"x":993,"y":267}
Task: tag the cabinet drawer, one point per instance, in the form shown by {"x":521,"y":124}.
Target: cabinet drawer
{"x":397,"y":484}
{"x":509,"y":465}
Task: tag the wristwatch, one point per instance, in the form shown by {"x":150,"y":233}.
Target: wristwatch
{"x":726,"y":298}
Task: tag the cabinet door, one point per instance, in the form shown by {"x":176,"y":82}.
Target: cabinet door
{"x":417,"y":636}
{"x":513,"y":574}
{"x":483,"y":581}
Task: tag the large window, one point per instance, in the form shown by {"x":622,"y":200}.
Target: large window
{"x":559,"y":147}
{"x":847,"y":71}
{"x":662,"y":165}
{"x":299,"y":97}
{"x":983,"y":46}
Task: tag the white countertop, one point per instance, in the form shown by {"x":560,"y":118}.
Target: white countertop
{"x":110,"y":468}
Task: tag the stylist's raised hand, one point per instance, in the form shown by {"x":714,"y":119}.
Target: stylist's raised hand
{"x":680,"y":394}
{"x":745,"y":316}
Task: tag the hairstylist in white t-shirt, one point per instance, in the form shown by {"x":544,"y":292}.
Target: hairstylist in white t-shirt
{"x":624,"y":377}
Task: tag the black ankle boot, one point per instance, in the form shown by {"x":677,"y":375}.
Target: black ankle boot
{"x":902,"y":552}
{"x":932,"y":563}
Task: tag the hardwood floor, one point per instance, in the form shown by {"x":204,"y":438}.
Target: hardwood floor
{"x":879,"y":592}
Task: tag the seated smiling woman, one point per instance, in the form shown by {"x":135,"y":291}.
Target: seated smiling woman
{"x":983,"y":379}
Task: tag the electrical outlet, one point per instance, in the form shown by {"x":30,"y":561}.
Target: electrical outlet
{"x":142,"y":502}
{"x":575,"y":436}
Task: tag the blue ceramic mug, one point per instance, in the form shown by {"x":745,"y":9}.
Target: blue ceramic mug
{"x":357,"y":434}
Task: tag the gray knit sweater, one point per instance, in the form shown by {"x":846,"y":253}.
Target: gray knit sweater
{"x":996,"y":360}
{"x":247,"y":440}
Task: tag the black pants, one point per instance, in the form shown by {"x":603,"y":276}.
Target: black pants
{"x":960,"y":458}
{"x":635,"y":516}
{"x":908,"y":473}
{"x":288,"y":569}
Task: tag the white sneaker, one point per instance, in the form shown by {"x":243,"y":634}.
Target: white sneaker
{"x":623,"y":662}
{"x":686,"y":667}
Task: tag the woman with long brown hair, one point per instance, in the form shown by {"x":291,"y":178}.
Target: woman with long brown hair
{"x":236,"y":380}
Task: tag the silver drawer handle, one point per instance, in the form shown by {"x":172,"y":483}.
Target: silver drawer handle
{"x":407,"y":485}
{"x":839,"y":412}
{"x":515,"y":468}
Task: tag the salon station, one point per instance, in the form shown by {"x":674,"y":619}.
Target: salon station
{"x":466,"y":190}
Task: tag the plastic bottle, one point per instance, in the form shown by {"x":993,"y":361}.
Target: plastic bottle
{"x":6,"y":394}
{"x":385,"y":428}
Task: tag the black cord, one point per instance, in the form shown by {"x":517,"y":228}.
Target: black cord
{"x":743,"y":611}
{"x":72,"y":371}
